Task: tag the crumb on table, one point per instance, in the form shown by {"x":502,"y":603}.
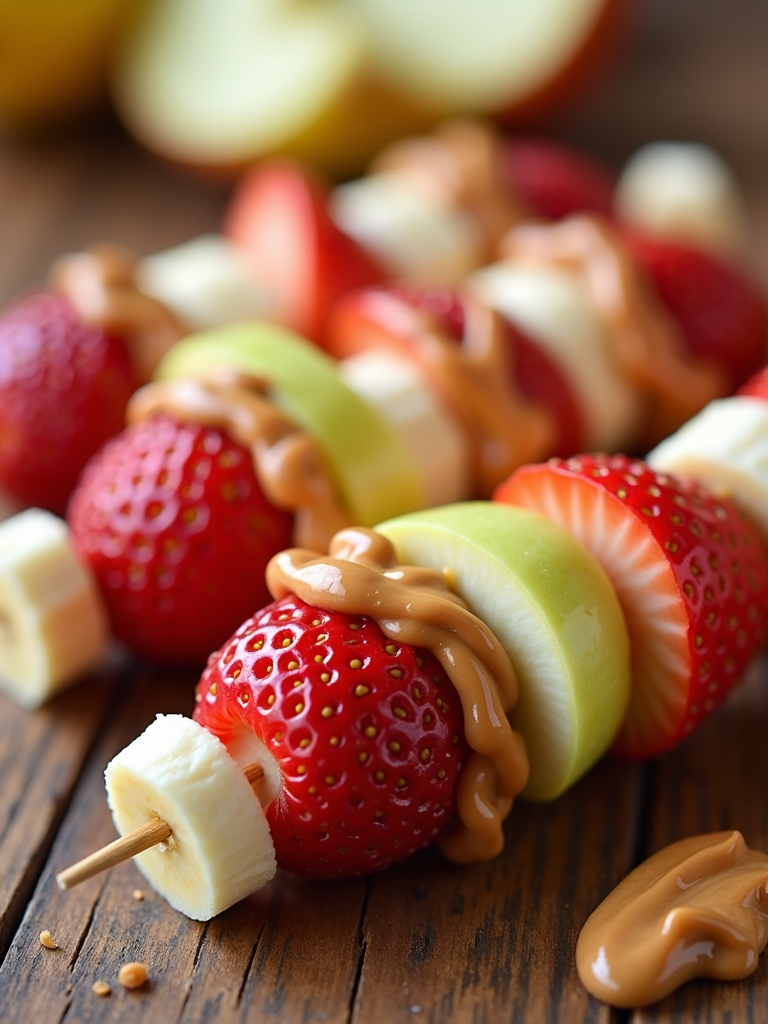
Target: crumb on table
{"x":47,"y":940}
{"x":132,"y":975}
{"x":101,"y":988}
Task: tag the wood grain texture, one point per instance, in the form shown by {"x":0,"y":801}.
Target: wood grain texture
{"x":494,"y":942}
{"x":717,"y":780}
{"x":425,"y":941}
{"x":42,"y":754}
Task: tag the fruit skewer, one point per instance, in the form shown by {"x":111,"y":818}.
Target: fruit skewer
{"x":105,"y":300}
{"x":542,"y":598}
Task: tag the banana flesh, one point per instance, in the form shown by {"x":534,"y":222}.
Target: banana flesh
{"x":555,"y":310}
{"x":725,"y":447}
{"x":220,"y":849}
{"x":398,"y":390}
{"x":53,"y":626}
{"x":412,"y":232}
{"x":205,"y":283}
{"x":685,"y":192}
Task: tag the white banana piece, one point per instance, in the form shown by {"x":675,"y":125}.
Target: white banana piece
{"x":220,"y":848}
{"x":399,"y":391}
{"x":53,"y":626}
{"x":205,"y":283}
{"x":725,"y":447}
{"x":555,"y":310}
{"x":411,"y":232}
{"x":685,"y":192}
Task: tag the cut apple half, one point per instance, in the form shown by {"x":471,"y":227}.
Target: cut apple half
{"x":215,"y":84}
{"x":373,"y":470}
{"x":552,"y":608}
{"x":482,"y":55}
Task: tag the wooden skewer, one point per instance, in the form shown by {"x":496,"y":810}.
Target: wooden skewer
{"x":143,"y":838}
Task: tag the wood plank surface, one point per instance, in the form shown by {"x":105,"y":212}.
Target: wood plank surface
{"x":425,"y":941}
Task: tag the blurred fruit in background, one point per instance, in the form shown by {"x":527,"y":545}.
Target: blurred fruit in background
{"x":55,"y":58}
{"x":215,"y":85}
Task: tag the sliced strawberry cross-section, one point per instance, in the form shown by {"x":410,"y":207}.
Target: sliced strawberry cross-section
{"x":690,"y":572}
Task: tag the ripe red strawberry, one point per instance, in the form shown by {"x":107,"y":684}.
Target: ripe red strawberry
{"x":690,"y":572}
{"x":720,"y":313}
{"x":64,"y":386}
{"x":757,"y":385}
{"x":279,"y":219}
{"x":175,"y":526}
{"x":554,"y":180}
{"x":366,"y":734}
{"x":370,"y":317}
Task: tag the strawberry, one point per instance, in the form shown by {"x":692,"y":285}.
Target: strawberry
{"x":366,"y":733}
{"x":174,"y":524}
{"x":720,"y":313}
{"x":690,"y":572}
{"x":554,"y":180}
{"x":756,"y":386}
{"x":278,"y":218}
{"x":369,"y":317}
{"x":64,"y":386}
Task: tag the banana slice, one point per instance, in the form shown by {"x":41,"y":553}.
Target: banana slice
{"x":686,"y":192}
{"x":220,"y":848}
{"x":725,"y":447}
{"x":53,"y":626}
{"x":412,"y":232}
{"x":555,"y":310}
{"x":399,"y":392}
{"x":205,"y":283}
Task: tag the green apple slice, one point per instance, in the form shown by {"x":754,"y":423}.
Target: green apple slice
{"x":554,"y":611}
{"x":373,"y":470}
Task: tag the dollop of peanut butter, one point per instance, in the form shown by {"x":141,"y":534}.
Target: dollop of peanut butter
{"x":646,"y":341}
{"x":696,"y":909}
{"x":288,"y":463}
{"x":413,"y":605}
{"x":101,"y":285}
{"x":461,"y":162}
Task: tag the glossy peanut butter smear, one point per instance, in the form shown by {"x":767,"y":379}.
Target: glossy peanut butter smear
{"x":100,"y":283}
{"x":288,"y":462}
{"x":697,"y":909}
{"x":462,"y":163}
{"x":646,"y":341}
{"x":475,"y":379}
{"x":413,"y":605}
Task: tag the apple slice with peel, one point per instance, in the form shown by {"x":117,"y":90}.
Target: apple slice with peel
{"x":555,"y":613}
{"x":278,"y":220}
{"x":373,"y":470}
{"x":503,"y":56}
{"x":217,"y":86}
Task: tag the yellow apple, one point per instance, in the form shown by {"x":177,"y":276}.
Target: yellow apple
{"x":55,"y":57}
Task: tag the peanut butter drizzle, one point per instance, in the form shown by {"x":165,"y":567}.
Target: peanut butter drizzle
{"x":288,"y":463}
{"x":461,"y":162}
{"x":698,"y":908}
{"x":475,"y":379}
{"x":646,"y":341}
{"x":413,"y":605}
{"x":101,"y":285}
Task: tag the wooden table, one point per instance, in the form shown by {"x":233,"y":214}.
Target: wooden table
{"x":425,"y":941}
